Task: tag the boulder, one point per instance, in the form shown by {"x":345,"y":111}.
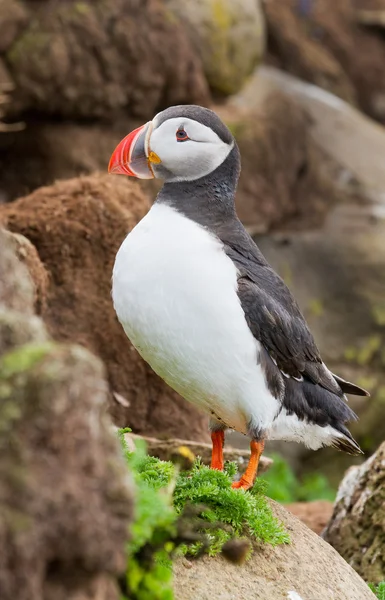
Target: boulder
{"x":318,"y":41}
{"x":305,"y":569}
{"x":77,"y":227}
{"x":87,"y":60}
{"x":357,"y":526}
{"x":27,"y":254}
{"x":278,"y":188}
{"x":228,"y":35}
{"x":66,"y":497}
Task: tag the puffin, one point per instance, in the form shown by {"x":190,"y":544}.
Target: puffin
{"x":204,"y":308}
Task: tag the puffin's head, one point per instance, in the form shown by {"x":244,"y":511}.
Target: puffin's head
{"x":182,"y":143}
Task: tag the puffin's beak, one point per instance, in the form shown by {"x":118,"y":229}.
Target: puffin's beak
{"x":132,"y":156}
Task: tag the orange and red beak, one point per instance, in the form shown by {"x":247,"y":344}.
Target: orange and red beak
{"x":133,"y":156}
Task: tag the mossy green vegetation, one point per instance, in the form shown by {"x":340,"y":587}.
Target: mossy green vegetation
{"x":187,"y":512}
{"x":379,"y":590}
{"x":284,"y":486}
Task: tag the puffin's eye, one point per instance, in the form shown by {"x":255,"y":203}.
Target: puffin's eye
{"x":181,"y":135}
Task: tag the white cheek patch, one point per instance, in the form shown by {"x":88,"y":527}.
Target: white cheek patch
{"x":194,"y":158}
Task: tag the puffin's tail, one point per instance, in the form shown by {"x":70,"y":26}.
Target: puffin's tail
{"x":350,"y":388}
{"x":345,"y":442}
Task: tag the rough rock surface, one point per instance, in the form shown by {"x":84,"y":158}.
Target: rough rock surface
{"x":65,"y":496}
{"x":27,"y":253}
{"x":228,"y":35}
{"x":318,"y":41}
{"x":308,"y":566}
{"x":357,"y":527}
{"x":93,"y":59}
{"x":77,"y":227}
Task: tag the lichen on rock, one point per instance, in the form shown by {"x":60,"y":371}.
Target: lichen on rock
{"x":357,"y":527}
{"x":228,"y":35}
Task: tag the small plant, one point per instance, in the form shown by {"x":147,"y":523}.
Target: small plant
{"x":379,"y":590}
{"x":285,"y":487}
{"x":188,"y":513}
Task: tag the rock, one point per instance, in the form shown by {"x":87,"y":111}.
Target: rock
{"x":77,"y":227}
{"x":65,"y":510}
{"x":166,"y":449}
{"x":296,"y":44}
{"x":86,"y":60}
{"x":315,"y":515}
{"x":16,"y":286}
{"x":278,"y":187}
{"x":308,"y":567}
{"x":228,"y":35}
{"x":320,"y":46}
{"x":13,"y":17}
{"x":27,"y":254}
{"x":357,"y":527}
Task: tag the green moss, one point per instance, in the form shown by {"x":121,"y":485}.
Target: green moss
{"x":33,"y":40}
{"x":366,"y":352}
{"x":316,"y":307}
{"x":379,"y":314}
{"x":82,"y":8}
{"x":222,"y":17}
{"x":187,"y":512}
{"x":22,"y":359}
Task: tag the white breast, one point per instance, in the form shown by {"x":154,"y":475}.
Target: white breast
{"x":175,"y":293}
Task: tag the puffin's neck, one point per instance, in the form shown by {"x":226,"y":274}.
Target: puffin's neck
{"x":209,"y":200}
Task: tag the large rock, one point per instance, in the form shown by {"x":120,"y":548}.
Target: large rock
{"x":88,"y":60}
{"x":228,"y":35}
{"x":77,"y":227}
{"x":357,"y":527}
{"x":319,"y":42}
{"x":65,"y":495}
{"x":306,"y":569}
{"x":276,"y":187}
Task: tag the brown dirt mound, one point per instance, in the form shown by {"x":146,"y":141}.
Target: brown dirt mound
{"x":326,"y":45}
{"x":89,"y":59}
{"x":77,"y":227}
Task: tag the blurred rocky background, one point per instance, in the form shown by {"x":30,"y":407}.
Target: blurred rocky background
{"x":301,"y":84}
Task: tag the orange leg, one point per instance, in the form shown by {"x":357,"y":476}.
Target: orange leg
{"x":248,"y":477}
{"x":218,"y":439}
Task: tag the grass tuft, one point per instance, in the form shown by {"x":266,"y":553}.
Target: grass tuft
{"x":188,"y":512}
{"x":379,"y":590}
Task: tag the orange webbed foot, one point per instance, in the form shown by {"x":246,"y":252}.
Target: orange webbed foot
{"x":248,"y":478}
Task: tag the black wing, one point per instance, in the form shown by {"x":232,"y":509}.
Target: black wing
{"x":291,"y":360}
{"x":276,"y":321}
